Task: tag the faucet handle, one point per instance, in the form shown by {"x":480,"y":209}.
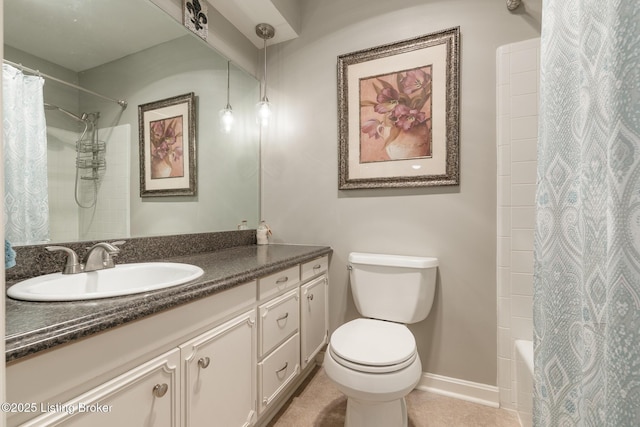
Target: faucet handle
{"x":112,"y":250}
{"x":116,"y":244}
{"x":111,"y":247}
{"x":73,"y":263}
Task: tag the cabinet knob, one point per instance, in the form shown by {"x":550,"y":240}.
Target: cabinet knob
{"x":310,"y":297}
{"x":282,"y":279}
{"x":160,"y":390}
{"x":283,"y":317}
{"x":317,"y":267}
{"x":203,"y":362}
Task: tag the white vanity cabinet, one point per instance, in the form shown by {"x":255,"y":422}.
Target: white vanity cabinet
{"x":209,"y":380}
{"x":148,"y":395}
{"x":219,"y":375}
{"x":122,"y":366}
{"x":229,"y":359}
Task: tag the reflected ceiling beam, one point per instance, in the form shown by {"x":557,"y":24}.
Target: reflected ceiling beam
{"x":223,"y":36}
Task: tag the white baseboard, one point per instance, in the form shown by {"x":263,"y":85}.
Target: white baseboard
{"x":483,"y":394}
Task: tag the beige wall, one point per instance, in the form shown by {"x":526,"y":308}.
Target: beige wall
{"x":301,"y":200}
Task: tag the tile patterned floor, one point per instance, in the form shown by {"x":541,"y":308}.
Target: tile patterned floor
{"x":319,"y":404}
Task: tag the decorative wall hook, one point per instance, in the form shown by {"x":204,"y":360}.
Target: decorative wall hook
{"x":195,"y":17}
{"x":513,"y":4}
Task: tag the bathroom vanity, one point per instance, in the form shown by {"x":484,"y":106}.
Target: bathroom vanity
{"x":227,"y":349}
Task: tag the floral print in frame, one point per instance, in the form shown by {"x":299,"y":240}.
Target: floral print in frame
{"x":398,"y":113}
{"x":168,"y":147}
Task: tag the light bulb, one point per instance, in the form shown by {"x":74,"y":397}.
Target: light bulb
{"x":263,"y":109}
{"x":226,"y":119}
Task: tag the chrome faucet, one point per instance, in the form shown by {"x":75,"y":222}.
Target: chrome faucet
{"x":99,"y":257}
{"x":73,"y":265}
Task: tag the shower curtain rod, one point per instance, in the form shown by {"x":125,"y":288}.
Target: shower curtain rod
{"x":120,"y":102}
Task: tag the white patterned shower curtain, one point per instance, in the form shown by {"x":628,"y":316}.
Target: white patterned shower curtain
{"x":587,"y":241}
{"x":26,"y":206}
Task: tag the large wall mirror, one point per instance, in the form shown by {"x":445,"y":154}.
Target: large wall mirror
{"x":132,"y":50}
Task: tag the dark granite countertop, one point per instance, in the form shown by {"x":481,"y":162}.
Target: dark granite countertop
{"x":32,"y":327}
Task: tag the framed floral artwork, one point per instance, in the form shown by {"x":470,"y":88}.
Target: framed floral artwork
{"x":167,"y":130}
{"x":398,"y":112}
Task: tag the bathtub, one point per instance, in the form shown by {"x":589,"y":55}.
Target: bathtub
{"x":524,"y":381}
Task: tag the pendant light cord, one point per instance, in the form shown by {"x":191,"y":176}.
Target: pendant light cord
{"x":265,"y":69}
{"x":265,"y":32}
{"x":228,"y":78}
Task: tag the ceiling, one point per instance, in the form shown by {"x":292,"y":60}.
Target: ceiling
{"x":246,"y":14}
{"x":108,"y":30}
{"x":102,"y":27}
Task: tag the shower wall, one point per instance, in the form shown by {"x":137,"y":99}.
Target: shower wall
{"x":517,"y":81}
{"x":61,"y":169}
{"x":109,"y":219}
{"x":67,"y":221}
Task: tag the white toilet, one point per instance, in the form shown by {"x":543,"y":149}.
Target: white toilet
{"x":374,"y":361}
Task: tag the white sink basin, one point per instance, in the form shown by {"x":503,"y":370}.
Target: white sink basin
{"x":123,"y":279}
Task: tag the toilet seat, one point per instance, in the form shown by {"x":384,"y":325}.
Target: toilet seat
{"x":376,"y":346}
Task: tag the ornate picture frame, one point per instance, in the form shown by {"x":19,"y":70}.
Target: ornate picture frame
{"x":398,"y":113}
{"x":167,"y":139}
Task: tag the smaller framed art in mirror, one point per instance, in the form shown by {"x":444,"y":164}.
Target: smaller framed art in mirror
{"x":168,"y":147}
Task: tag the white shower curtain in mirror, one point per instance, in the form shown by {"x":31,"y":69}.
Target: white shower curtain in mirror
{"x":587,"y":239}
{"x":26,"y":205}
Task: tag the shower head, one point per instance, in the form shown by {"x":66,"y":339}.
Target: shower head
{"x":83,"y":118}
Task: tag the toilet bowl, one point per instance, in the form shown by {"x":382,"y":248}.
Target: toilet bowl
{"x":376,"y":364}
{"x":374,"y":361}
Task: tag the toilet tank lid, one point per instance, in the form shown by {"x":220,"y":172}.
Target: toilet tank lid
{"x":392,"y":260}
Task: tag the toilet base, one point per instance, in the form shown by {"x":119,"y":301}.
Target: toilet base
{"x":376,"y":414}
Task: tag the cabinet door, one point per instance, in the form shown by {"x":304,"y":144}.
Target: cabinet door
{"x":219,"y":375}
{"x":148,"y":396}
{"x":314,"y":326}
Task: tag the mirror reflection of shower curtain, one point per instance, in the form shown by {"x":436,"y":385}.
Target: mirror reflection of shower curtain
{"x":26,"y":202}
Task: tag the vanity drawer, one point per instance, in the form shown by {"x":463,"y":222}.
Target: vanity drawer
{"x":279,"y":318}
{"x":272,"y":285}
{"x":314,"y":267}
{"x":278,"y":370}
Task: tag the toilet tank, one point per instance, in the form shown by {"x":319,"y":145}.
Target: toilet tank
{"x":393,"y":287}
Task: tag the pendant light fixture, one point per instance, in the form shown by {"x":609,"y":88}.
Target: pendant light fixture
{"x":226,"y":114}
{"x":263,"y":108}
